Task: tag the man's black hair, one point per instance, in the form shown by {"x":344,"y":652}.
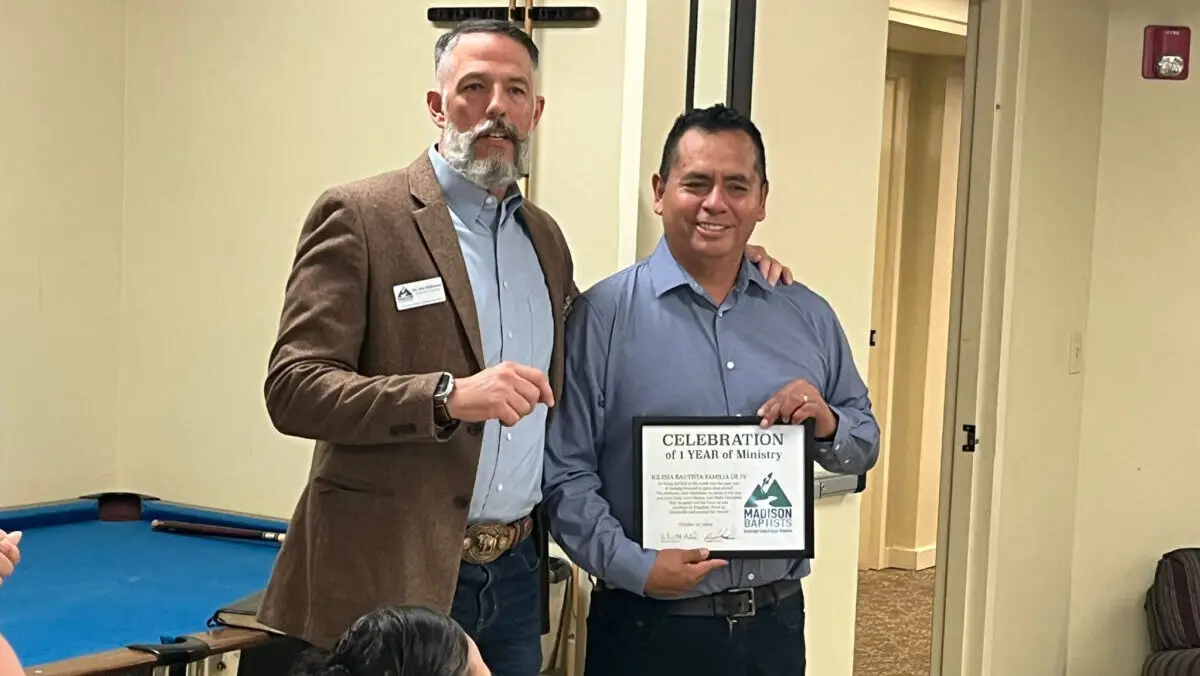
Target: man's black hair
{"x":445,"y":43}
{"x":715,"y":118}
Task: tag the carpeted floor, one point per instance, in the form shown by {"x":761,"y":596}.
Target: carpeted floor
{"x":895,"y":622}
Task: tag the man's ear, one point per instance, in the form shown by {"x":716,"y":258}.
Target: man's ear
{"x":762,"y":204}
{"x":539,"y":107}
{"x":659,"y":186}
{"x":436,"y":105}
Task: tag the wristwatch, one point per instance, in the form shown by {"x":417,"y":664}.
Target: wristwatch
{"x":441,"y":395}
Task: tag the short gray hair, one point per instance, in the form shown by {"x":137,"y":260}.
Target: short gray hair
{"x":446,"y":43}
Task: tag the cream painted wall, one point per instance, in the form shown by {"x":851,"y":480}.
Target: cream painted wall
{"x":823,"y":130}
{"x":1095,"y":473}
{"x":712,"y":52}
{"x":661,"y":93}
{"x":1050,"y":212}
{"x":61,"y":82}
{"x":1138,"y":481}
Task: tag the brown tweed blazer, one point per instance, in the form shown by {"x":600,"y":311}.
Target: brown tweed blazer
{"x":382,"y":517}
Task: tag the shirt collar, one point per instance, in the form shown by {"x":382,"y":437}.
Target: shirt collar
{"x":666,"y":273}
{"x":466,"y":199}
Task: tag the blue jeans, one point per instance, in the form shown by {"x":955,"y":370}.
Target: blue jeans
{"x":500,"y":606}
{"x":630,"y":635}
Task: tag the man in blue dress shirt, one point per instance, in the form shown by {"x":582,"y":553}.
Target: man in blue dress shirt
{"x":694,"y":330}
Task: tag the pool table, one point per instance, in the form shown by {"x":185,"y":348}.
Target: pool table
{"x":101,"y":591}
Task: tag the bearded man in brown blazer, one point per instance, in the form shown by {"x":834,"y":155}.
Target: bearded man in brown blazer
{"x":420,"y":346}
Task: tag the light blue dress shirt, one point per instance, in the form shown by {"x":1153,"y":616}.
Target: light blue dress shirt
{"x":516,"y":324}
{"x":650,"y":341}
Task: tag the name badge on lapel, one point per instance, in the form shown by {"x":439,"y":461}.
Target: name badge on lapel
{"x":419,"y":294}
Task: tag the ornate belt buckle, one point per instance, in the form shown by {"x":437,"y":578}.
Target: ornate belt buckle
{"x":485,"y":542}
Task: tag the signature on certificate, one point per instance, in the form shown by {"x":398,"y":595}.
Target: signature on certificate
{"x":716,"y":535}
{"x":697,"y":535}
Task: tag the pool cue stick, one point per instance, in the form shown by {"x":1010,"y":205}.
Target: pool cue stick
{"x":168,"y":526}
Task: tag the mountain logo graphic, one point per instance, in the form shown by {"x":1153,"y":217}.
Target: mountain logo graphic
{"x":769,"y":492}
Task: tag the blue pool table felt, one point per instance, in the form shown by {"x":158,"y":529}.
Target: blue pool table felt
{"x":86,"y":586}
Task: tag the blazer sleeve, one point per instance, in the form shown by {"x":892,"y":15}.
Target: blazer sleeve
{"x":313,"y":389}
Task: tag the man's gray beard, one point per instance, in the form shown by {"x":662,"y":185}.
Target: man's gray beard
{"x":492,"y":172}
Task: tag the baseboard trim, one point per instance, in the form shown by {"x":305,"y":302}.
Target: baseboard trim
{"x":907,"y":558}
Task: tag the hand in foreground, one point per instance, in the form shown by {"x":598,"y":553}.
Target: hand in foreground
{"x":677,"y":571}
{"x":797,"y":402}
{"x":770,"y":268}
{"x":506,"y":392}
{"x":10,"y":554}
{"x":9,"y":664}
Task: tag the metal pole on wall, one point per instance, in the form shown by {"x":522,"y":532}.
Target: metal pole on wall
{"x":689,"y":89}
{"x":528,"y":27}
{"x":740,"y":79}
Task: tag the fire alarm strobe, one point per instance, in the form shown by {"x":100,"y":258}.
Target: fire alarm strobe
{"x":1166,"y":52}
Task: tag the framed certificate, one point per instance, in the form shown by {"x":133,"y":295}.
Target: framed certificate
{"x":724,"y":484}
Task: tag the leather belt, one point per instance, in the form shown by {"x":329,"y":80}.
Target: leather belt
{"x":732,"y":604}
{"x":486,"y":542}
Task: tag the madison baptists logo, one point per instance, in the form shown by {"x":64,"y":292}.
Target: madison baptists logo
{"x":768,"y":509}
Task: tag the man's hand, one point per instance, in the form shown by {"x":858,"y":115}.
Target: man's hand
{"x":770,"y":268}
{"x":797,"y":402}
{"x":506,"y":392}
{"x":10,"y":555}
{"x":677,"y":571}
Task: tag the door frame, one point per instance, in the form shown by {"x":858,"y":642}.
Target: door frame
{"x":960,"y":620}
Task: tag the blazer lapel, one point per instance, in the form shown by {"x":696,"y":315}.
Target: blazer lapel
{"x":550,"y":257}
{"x":433,"y":219}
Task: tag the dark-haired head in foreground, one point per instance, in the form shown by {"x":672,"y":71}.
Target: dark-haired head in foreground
{"x":399,"y":641}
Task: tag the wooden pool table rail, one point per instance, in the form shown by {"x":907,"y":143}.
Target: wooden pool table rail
{"x":124,"y":661}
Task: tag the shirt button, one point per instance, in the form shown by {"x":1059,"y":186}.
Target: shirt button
{"x":509,"y":436}
{"x":506,"y":285}
{"x":500,"y":487}
{"x":490,"y":200}
{"x":729,"y":365}
{"x":510,"y":334}
{"x":750,"y":576}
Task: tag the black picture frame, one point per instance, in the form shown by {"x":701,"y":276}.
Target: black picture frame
{"x":808,"y":504}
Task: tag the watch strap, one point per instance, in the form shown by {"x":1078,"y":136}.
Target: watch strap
{"x":441,"y":393}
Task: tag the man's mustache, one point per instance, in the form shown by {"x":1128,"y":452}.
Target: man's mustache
{"x":496,"y":126}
